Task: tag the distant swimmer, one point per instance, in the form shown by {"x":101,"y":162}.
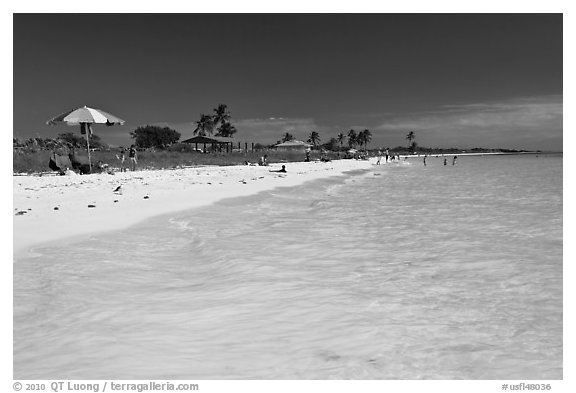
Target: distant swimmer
{"x":454,"y":160}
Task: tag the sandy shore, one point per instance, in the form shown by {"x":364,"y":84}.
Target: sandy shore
{"x":51,"y":208}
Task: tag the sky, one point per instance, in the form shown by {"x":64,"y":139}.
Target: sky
{"x":455,"y":80}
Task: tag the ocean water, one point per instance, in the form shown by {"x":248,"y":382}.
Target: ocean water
{"x":398,"y":272}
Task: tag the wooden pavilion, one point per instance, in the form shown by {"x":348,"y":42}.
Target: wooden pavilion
{"x":222,"y":143}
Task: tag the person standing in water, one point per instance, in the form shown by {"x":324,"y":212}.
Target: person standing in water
{"x":454,"y":160}
{"x":424,"y":161}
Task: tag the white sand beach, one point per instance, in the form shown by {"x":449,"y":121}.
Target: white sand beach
{"x":53,"y":208}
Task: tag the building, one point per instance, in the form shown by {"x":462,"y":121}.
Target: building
{"x":221,"y":143}
{"x":297,"y":146}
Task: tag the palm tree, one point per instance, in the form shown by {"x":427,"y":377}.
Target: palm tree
{"x":204,"y":125}
{"x":226,"y":130}
{"x":364,"y":137}
{"x":314,"y":138}
{"x":410,"y":138}
{"x":221,"y":115}
{"x":287,"y":137}
{"x":340,"y":138}
{"x":352,"y":138}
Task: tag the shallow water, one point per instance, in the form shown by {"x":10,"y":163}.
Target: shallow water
{"x":400,"y":272}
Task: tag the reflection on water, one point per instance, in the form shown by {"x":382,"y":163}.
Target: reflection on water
{"x":402,"y":272}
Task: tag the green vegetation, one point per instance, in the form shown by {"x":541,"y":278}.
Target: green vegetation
{"x":154,"y":136}
{"x":352,"y":138}
{"x":314,"y":138}
{"x":340,"y":138}
{"x":220,"y":122}
{"x":77,"y":141}
{"x":204,"y":126}
{"x":287,"y":137}
{"x":159,"y":148}
{"x":363,"y":138}
{"x":332,"y":145}
{"x":171,"y":158}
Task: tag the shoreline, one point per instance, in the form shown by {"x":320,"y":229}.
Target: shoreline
{"x":48,"y":209}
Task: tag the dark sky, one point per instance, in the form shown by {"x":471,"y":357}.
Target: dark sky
{"x":490,"y":80}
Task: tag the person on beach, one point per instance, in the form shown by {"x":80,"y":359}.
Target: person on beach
{"x":263,"y":160}
{"x":122,"y":157}
{"x":387,"y":154}
{"x":324,"y":156}
{"x":307,"y":159}
{"x":379,"y":157}
{"x":132,"y":155}
{"x":454,"y":160}
{"x":283,"y":169}
{"x":104,"y":168}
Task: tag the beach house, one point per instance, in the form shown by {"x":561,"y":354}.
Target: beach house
{"x":297,"y":146}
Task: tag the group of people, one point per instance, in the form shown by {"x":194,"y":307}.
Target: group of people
{"x":391,"y":157}
{"x":387,"y":156}
{"x":263,"y":161}
{"x":132,"y":154}
{"x":323,"y":156}
{"x":445,"y":160}
{"x":70,"y":163}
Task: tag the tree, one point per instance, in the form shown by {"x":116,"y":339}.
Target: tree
{"x":410,"y":138}
{"x":340,"y":138}
{"x":221,"y":115}
{"x":352,"y":138}
{"x":287,"y":137}
{"x":77,"y":141}
{"x":205,"y":125}
{"x":221,"y":120}
{"x":154,"y":136}
{"x":332,"y":144}
{"x":314,"y":138}
{"x":95,"y":142}
{"x":364,"y":137}
{"x":72,"y":139}
{"x":226,"y":130}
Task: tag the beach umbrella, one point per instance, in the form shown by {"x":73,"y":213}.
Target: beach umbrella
{"x":85,"y":117}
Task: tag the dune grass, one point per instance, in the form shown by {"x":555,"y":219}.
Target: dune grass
{"x":37,"y":161}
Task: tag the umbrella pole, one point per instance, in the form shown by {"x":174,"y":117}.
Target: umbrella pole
{"x":88,"y":145}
